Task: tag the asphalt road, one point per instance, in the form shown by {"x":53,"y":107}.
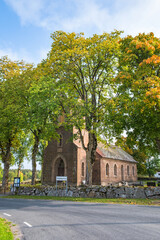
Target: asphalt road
{"x":48,"y":220}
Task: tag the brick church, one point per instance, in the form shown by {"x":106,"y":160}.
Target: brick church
{"x":66,"y":157}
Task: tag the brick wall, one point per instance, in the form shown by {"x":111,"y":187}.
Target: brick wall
{"x":73,"y":156}
{"x":67,"y":152}
{"x":111,"y":177}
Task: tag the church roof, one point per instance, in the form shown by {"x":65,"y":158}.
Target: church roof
{"x":114,"y":152}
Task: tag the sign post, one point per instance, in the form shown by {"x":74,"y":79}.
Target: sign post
{"x":61,"y":179}
{"x":16,"y":182}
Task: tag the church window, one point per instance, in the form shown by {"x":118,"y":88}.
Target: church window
{"x":82,"y":169}
{"x":115,"y":170}
{"x":128,"y":170}
{"x":60,"y":142}
{"x":133,"y":171}
{"x":107,"y":169}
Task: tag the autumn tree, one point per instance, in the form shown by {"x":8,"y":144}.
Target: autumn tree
{"x":137,"y":103}
{"x":84,"y":68}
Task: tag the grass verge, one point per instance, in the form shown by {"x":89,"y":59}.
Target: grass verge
{"x":5,"y":230}
{"x":92,"y":200}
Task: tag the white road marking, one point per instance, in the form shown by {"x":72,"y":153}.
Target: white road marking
{"x":29,"y":225}
{"x":6,"y":214}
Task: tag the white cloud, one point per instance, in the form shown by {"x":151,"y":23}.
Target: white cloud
{"x":8,"y":52}
{"x":18,"y":55}
{"x":28,"y":10}
{"x":90,"y":16}
{"x":137,"y":16}
{"x":43,"y":53}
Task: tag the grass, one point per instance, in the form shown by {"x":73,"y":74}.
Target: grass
{"x":92,"y":200}
{"x":5,"y":230}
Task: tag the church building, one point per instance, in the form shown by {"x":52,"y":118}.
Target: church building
{"x":67,"y":157}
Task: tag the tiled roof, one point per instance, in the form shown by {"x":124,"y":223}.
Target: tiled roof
{"x":113,"y":152}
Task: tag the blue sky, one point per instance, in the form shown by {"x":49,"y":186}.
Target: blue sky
{"x":26,"y":25}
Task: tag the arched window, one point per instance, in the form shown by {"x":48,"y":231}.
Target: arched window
{"x":115,"y":170}
{"x":133,"y":171}
{"x":128,"y":170}
{"x":82,"y":169}
{"x":60,"y":142}
{"x":61,"y":168}
{"x":122,"y":173}
{"x":107,"y":169}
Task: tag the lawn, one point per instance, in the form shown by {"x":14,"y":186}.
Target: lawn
{"x":5,"y":230}
{"x":93,"y":200}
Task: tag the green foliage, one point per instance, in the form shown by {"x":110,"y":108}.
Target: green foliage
{"x":5,"y":230}
{"x":1,"y":173}
{"x":103,"y":84}
{"x":133,"y":148}
{"x":23,"y":149}
{"x":25,"y":175}
{"x":12,"y":114}
{"x":138,"y":99}
{"x":41,"y":110}
{"x":84,"y":69}
{"x":153,"y":166}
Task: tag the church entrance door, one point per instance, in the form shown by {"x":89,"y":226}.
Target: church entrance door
{"x":61,"y":168}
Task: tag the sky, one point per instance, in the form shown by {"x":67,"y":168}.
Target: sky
{"x":26,"y":25}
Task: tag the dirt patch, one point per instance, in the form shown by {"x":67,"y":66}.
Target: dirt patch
{"x":16,"y":232}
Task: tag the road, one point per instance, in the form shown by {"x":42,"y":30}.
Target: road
{"x":62,"y":220}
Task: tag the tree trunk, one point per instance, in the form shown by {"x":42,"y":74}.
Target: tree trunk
{"x":6,"y":156}
{"x":5,"y":175}
{"x":90,"y":157}
{"x":19,"y":168}
{"x":88,"y":168}
{"x":34,"y":154}
{"x":42,"y":166}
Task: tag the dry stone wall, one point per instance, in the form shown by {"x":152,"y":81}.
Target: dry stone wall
{"x":93,"y":192}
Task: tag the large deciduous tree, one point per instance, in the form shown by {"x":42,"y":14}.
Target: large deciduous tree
{"x":11,"y":113}
{"x":41,"y":109}
{"x":138,"y":96}
{"x":84,"y":69}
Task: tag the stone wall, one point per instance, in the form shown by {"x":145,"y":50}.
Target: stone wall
{"x":93,"y":192}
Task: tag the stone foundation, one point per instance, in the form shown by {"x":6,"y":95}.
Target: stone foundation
{"x":93,"y":192}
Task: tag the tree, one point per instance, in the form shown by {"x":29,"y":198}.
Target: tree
{"x":1,"y":173}
{"x":84,"y":69}
{"x":153,"y":166}
{"x":22,"y":151}
{"x":138,"y":97}
{"x":41,"y":109}
{"x":11,"y":112}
